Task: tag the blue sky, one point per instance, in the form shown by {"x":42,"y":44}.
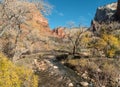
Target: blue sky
{"x":81,"y":12}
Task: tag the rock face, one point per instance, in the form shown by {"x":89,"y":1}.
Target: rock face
{"x":27,"y":12}
{"x":35,"y":19}
{"x":63,"y":32}
{"x":106,"y":16}
{"x":60,"y":32}
{"x":105,"y":13}
{"x":34,"y":30}
{"x":118,"y":10}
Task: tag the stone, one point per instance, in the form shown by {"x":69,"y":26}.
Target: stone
{"x":84,"y":84}
{"x":99,"y":70}
{"x":91,"y":84}
{"x":103,"y":86}
{"x":55,"y":67}
{"x":119,"y":83}
{"x":92,"y":80}
{"x":84,"y":75}
{"x":118,"y":80}
{"x":71,"y":85}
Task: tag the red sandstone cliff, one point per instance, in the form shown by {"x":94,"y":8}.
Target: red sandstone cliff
{"x":59,"y":32}
{"x":36,"y":20}
{"x":34,"y":30}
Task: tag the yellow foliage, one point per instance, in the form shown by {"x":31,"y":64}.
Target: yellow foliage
{"x":100,"y":44}
{"x":82,"y":62}
{"x":112,"y":40}
{"x":111,"y":53}
{"x":107,"y":43}
{"x":14,"y":76}
{"x":85,"y":40}
{"x":113,"y":44}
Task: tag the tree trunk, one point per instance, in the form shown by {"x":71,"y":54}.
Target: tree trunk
{"x":74,"y":50}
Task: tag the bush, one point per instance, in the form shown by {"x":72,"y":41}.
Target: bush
{"x":14,"y":76}
{"x":100,"y":72}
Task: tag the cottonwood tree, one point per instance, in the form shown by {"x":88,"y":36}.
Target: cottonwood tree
{"x":106,"y":44}
{"x":12,"y":16}
{"x":79,"y":40}
{"x":13,"y":13}
{"x":44,"y":7}
{"x":71,"y":24}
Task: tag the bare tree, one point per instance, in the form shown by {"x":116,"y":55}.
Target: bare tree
{"x":13,"y":13}
{"x":76,"y":40}
{"x":43,"y":6}
{"x":71,"y":24}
